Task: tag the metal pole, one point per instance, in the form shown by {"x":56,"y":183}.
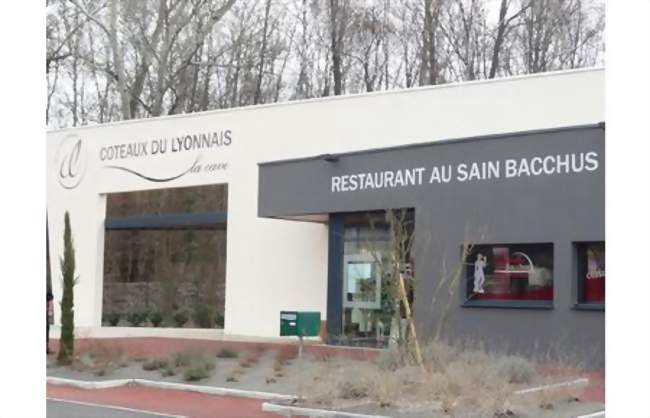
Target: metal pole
{"x":300,"y":367}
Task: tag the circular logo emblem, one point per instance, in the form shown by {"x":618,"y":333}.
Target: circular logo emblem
{"x":71,"y":160}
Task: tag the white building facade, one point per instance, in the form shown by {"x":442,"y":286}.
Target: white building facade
{"x":274,"y":265}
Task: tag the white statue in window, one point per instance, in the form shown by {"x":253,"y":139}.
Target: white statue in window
{"x":479,"y":274}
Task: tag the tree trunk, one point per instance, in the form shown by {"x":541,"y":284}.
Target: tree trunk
{"x":499,"y":39}
{"x":260,"y":70}
{"x":336,"y":46}
{"x":118,"y":62}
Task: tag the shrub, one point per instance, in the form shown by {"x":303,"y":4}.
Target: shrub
{"x":168,"y":371}
{"x":516,"y":369}
{"x":103,"y":370}
{"x":227,"y":353}
{"x":352,"y":390}
{"x":113,"y":318}
{"x":198,"y":369}
{"x":249,"y":360}
{"x":183,"y":358}
{"x":203,"y":315}
{"x":66,"y":342}
{"x":136,"y":318}
{"x":180,"y":319}
{"x":277,"y":365}
{"x":218,"y":319}
{"x":155,"y":364}
{"x":285,"y":354}
{"x":389,"y":360}
{"x":102,"y":359}
{"x":155,"y":318}
{"x":189,"y":357}
{"x":194,"y":373}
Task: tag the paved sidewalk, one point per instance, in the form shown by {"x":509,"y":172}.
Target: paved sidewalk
{"x":162,"y":401}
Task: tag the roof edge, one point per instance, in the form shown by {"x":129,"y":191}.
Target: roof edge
{"x":334,"y":98}
{"x":599,"y":125}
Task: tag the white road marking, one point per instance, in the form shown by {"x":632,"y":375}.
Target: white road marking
{"x":121,"y":408}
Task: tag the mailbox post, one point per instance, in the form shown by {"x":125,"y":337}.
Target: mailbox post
{"x":299,"y":324}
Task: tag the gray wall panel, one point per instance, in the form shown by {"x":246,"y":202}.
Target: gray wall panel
{"x":557,"y":208}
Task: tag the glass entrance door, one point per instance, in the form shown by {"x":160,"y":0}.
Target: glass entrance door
{"x":369,"y":312}
{"x":366,"y":305}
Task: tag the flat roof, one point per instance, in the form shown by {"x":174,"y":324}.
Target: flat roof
{"x":333,"y":98}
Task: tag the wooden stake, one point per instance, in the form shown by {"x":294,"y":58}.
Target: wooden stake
{"x":409,"y":318}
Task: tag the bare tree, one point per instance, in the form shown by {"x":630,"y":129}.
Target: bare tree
{"x":110,"y":60}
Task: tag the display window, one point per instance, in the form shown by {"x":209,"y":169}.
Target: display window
{"x":591,"y":272}
{"x":510,"y":275}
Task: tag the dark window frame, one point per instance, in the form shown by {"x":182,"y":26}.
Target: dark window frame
{"x":508,"y":304}
{"x":579,"y":278}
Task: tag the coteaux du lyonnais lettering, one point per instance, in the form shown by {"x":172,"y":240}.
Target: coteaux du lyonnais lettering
{"x":466,"y":172}
{"x":189,"y":142}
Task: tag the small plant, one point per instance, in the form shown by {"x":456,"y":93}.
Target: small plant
{"x":203,"y":315}
{"x":252,"y":358}
{"x":155,"y":364}
{"x":168,"y":371}
{"x":189,"y":357}
{"x":150,"y":365}
{"x":102,"y":371}
{"x":194,"y":373}
{"x":113,"y":318}
{"x":352,"y":390}
{"x":227,"y":353}
{"x":183,"y":358}
{"x":155,"y":318}
{"x":516,"y":369}
{"x":101,"y":359}
{"x":136,"y":318}
{"x":198,"y":369}
{"x":180,"y":319}
{"x":234,"y":375}
{"x":218,"y":320}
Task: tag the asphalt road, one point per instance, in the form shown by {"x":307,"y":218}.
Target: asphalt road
{"x":73,"y":409}
{"x":145,"y":402}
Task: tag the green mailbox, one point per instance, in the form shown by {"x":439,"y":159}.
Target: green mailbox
{"x":299,"y":324}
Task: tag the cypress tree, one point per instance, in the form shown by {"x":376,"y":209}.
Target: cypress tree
{"x":66,"y":341}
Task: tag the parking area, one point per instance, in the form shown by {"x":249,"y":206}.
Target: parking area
{"x":141,"y":402}
{"x":59,"y":408}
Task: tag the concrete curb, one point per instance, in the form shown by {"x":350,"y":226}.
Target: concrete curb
{"x":213,"y":390}
{"x":290,"y":411}
{"x":209,"y":390}
{"x":598,"y":414}
{"x":577,"y":382}
{"x":83,"y":384}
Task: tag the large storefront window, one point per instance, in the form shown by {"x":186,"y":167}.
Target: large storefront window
{"x":369,"y":297}
{"x":165,"y":258}
{"x":518,"y":275}
{"x":591,"y":273}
